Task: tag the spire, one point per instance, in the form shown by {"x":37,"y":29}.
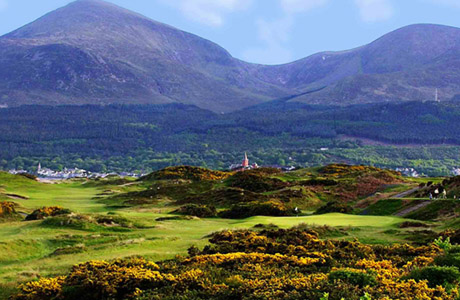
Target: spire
{"x":246,"y":160}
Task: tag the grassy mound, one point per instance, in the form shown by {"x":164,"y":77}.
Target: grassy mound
{"x":267,"y":208}
{"x":224,"y":197}
{"x":186,"y":172}
{"x":45,"y":212}
{"x":385,"y":207}
{"x":257,"y":180}
{"x":343,"y":170}
{"x":88,"y":223}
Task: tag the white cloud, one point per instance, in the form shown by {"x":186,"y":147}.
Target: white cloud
{"x":297,"y":6}
{"x":274,"y":35}
{"x":209,"y":12}
{"x":374,"y":10}
{"x":3,"y":5}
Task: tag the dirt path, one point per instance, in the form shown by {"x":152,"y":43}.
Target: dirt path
{"x":407,"y":211}
{"x":406,"y":193}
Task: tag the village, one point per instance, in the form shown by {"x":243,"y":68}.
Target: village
{"x":69,"y":173}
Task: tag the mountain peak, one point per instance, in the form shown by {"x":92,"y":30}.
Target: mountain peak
{"x":79,"y":17}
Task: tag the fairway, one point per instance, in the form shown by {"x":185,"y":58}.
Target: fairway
{"x":333,"y":219}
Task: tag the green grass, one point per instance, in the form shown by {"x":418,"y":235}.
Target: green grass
{"x":72,"y":195}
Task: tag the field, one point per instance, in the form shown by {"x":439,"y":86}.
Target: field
{"x":33,"y":249}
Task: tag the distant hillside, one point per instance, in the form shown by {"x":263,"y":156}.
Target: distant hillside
{"x":93,"y":52}
{"x":150,"y":137}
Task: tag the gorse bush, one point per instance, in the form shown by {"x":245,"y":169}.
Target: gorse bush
{"x":7,"y":208}
{"x":45,"y":212}
{"x":288,"y":264}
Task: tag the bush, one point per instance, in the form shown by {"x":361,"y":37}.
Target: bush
{"x":448,"y":260}
{"x":319,"y":182}
{"x":44,"y":212}
{"x":7,"y":208}
{"x":354,"y":278}
{"x":444,"y":244}
{"x":436,"y":275}
{"x":201,"y":211}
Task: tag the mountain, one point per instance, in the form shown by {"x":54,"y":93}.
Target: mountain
{"x":93,"y":52}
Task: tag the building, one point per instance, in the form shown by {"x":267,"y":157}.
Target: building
{"x":244,"y":165}
{"x":409,"y":172}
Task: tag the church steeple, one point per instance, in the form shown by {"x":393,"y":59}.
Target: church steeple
{"x":245,"y":161}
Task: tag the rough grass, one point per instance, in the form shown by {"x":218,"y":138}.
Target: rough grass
{"x":437,"y":209}
{"x":384,"y":207}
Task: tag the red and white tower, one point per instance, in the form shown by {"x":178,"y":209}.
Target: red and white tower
{"x":245,"y":161}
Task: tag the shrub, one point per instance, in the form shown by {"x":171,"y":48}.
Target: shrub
{"x":44,"y":212}
{"x":201,"y":211}
{"x":360,"y":279}
{"x":44,"y":288}
{"x":436,"y":275}
{"x":444,"y":244}
{"x":448,"y":260}
{"x":319,"y":182}
{"x":7,"y":208}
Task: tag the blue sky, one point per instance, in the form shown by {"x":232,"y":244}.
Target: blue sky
{"x":269,"y":31}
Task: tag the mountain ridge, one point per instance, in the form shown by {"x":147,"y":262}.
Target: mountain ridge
{"x":91,"y":51}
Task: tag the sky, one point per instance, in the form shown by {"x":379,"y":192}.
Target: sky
{"x":268,"y":31}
